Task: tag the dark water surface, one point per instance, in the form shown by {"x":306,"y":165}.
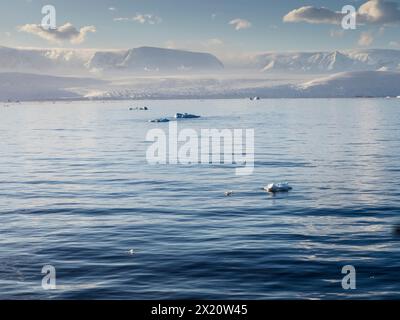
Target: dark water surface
{"x":77,"y":193}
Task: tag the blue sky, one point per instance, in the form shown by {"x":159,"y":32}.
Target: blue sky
{"x":192,"y":24}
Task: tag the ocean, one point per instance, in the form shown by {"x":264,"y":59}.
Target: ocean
{"x":77,"y":193}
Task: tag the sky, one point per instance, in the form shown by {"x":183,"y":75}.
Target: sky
{"x":218,"y":26}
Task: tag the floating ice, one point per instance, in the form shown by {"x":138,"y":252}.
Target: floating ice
{"x":278,"y":187}
{"x":159,"y":120}
{"x":186,"y":116}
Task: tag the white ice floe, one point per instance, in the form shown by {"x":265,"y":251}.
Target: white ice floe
{"x":139,"y":108}
{"x":278,"y":187}
{"x":186,"y":116}
{"x":159,"y":120}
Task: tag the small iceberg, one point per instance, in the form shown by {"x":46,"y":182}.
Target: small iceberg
{"x":278,"y":187}
{"x":159,"y":120}
{"x":139,"y":108}
{"x":228,"y":194}
{"x":186,"y":116}
{"x":255,"y":98}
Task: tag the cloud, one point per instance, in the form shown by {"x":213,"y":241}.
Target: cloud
{"x":67,"y":32}
{"x":337,"y":33}
{"x":373,"y":12}
{"x":380,"y":12}
{"x":240,"y":24}
{"x":142,"y":19}
{"x":394,"y":44}
{"x":366,"y":39}
{"x":112,"y":9}
{"x":147,"y":18}
{"x":311,"y":14}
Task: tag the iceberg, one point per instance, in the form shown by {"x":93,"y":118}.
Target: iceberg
{"x":186,"y":116}
{"x":278,"y":187}
{"x":139,"y":108}
{"x":161,"y":120}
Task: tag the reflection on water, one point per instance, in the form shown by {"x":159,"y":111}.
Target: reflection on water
{"x":77,"y":193}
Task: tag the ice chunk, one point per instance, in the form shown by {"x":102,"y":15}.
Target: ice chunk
{"x":159,"y":120}
{"x":186,"y":116}
{"x":278,"y":187}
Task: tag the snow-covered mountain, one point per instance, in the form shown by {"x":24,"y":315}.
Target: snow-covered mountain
{"x":154,"y":59}
{"x":327,"y":62}
{"x":149,"y":60}
{"x":43,"y":61}
{"x":79,"y":61}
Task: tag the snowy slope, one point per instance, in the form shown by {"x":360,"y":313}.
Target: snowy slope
{"x":23,"y":86}
{"x":354,"y":84}
{"x":340,"y":85}
{"x":328,"y":62}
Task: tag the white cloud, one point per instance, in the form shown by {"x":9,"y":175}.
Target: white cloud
{"x":394,"y":44}
{"x":373,"y":11}
{"x":240,"y":24}
{"x":311,"y":14}
{"x":337,"y":33}
{"x":142,"y":19}
{"x":147,"y":18}
{"x":366,"y":39}
{"x":112,"y":9}
{"x":67,"y":32}
{"x":380,"y":11}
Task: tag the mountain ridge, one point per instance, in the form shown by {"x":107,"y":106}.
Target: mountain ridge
{"x":84,"y":61}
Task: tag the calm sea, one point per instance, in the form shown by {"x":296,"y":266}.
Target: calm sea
{"x":77,"y":193}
